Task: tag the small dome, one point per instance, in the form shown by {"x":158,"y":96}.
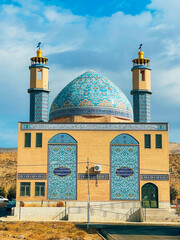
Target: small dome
{"x":91,"y":94}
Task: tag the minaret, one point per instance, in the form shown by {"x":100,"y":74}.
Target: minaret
{"x":141,"y":78}
{"x":39,"y":88}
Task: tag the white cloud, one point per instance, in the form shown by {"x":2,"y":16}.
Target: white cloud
{"x":111,"y":42}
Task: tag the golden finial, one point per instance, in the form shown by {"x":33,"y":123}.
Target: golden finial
{"x":141,"y":53}
{"x":39,"y":52}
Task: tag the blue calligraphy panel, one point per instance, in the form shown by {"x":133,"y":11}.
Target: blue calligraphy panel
{"x":124,"y":172}
{"x":62,"y":172}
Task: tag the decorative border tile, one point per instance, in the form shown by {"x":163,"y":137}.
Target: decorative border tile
{"x":155,"y":177}
{"x":97,"y":111}
{"x":93,"y":176}
{"x":96,"y":126}
{"x":32,"y":176}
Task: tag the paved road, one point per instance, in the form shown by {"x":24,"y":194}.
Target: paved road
{"x":129,"y":232}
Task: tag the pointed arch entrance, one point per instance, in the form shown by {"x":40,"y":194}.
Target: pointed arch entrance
{"x":62,"y":161}
{"x":149,"y":195}
{"x":124,"y":168}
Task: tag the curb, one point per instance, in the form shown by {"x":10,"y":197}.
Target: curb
{"x":107,"y":235}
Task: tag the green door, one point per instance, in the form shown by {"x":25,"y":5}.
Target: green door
{"x":149,"y":195}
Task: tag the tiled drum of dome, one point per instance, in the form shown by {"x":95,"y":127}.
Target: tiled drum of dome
{"x":62,"y":156}
{"x":91,"y":93}
{"x":125,"y":188}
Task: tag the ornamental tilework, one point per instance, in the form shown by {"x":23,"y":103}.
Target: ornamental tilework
{"x":124,"y":188}
{"x":95,"y":126}
{"x":39,"y":106}
{"x":141,"y":105}
{"x":124,"y":139}
{"x":91,"y":94}
{"x":62,"y":187}
{"x":62,"y":138}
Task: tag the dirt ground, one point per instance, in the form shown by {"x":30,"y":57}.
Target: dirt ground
{"x":45,"y":231}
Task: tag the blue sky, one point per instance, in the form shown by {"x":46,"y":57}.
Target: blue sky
{"x":78,"y":35}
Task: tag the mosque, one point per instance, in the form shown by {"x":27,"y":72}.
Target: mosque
{"x":91,"y":142}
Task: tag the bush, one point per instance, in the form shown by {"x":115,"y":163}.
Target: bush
{"x":153,"y":204}
{"x":146,"y":204}
{"x":173,"y":193}
{"x":60,"y":204}
{"x":11,"y":193}
{"x":2,"y":192}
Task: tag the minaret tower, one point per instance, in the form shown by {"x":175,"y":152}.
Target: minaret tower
{"x":39,"y":88}
{"x":141,"y":78}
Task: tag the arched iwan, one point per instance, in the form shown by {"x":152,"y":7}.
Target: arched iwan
{"x":62,"y":163}
{"x":124,"y":152}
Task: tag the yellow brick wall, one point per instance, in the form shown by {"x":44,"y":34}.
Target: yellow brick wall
{"x":96,"y":146}
{"x":137,"y":83}
{"x":37,"y":83}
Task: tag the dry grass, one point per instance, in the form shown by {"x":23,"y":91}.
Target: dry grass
{"x":8,"y":169}
{"x":44,"y":231}
{"x":174,"y":162}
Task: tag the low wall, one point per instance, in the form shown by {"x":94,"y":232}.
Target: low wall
{"x":77,"y":211}
{"x":39,"y":213}
{"x":111,"y":205}
{"x":80,"y":214}
{"x":136,"y":216}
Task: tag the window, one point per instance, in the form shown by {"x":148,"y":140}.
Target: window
{"x":27,"y":142}
{"x":170,"y":170}
{"x":25,"y":189}
{"x":38,"y":139}
{"x":39,"y":74}
{"x":142,"y":75}
{"x":158,"y":141}
{"x":147,"y":141}
{"x":40,"y":189}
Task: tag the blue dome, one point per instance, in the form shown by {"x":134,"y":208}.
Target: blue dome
{"x":91,"y":94}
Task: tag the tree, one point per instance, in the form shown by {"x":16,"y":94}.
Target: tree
{"x":2,"y":192}
{"x":11,"y":193}
{"x":173,"y":193}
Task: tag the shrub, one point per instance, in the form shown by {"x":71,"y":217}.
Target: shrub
{"x":11,"y":193}
{"x":173,"y":193}
{"x":2,"y":192}
{"x":153,"y":204}
{"x":146,"y":204}
{"x":60,"y":204}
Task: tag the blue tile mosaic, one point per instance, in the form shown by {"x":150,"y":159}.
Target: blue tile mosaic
{"x":62,"y":138}
{"x":124,"y":160}
{"x":62,"y":160}
{"x":91,"y":94}
{"x":141,"y":106}
{"x":39,"y":106}
{"x":124,"y":139}
{"x":96,"y":126}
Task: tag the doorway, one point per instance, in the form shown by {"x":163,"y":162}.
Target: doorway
{"x":149,"y":195}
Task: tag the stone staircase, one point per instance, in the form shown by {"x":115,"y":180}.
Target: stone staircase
{"x":161,"y":215}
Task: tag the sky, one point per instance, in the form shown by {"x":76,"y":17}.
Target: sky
{"x":79,"y":35}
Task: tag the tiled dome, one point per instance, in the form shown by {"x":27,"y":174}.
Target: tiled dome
{"x":91,"y":94}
